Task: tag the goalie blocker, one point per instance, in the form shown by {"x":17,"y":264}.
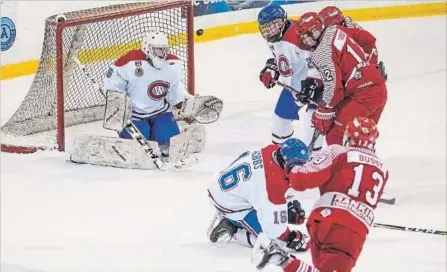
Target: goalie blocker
{"x":124,"y":153}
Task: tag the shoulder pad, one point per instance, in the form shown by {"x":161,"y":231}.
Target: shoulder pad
{"x":130,"y":56}
{"x":172,"y":59}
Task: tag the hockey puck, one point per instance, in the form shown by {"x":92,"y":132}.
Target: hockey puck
{"x":199,"y":32}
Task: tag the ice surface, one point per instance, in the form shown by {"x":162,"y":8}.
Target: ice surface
{"x":59,"y":216}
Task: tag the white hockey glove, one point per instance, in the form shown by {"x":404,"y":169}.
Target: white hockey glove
{"x":266,"y":251}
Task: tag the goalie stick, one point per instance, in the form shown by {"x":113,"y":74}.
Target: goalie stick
{"x":131,"y":128}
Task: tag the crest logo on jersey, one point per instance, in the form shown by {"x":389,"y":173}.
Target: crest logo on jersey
{"x":284,"y":66}
{"x":139,"y":72}
{"x":157,"y":90}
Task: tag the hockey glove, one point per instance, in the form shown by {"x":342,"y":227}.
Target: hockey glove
{"x":267,"y":251}
{"x":297,"y":241}
{"x":295,"y":213}
{"x":323,"y":119}
{"x":311,"y":90}
{"x":269,"y":74}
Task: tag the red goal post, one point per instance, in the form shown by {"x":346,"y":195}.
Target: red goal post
{"x":61,"y":95}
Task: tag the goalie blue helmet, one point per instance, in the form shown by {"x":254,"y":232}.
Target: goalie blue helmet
{"x":294,"y":152}
{"x":272,"y":20}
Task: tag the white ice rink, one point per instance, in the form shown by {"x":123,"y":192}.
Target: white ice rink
{"x":58,"y":216}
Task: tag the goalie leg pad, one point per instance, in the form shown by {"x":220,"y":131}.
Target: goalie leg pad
{"x":111,"y":151}
{"x":118,"y":110}
{"x":190,"y":140}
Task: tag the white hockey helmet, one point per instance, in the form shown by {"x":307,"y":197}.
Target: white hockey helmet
{"x":156,"y":47}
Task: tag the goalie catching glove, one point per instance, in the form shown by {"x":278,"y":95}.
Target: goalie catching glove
{"x":200,"y":109}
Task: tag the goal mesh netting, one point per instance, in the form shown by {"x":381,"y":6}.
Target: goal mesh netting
{"x":61,"y":95}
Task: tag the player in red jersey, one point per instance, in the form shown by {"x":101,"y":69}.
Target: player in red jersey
{"x":333,"y":16}
{"x":351,"y":179}
{"x":352,"y":86}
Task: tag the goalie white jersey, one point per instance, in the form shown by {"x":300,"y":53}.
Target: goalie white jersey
{"x":152,"y":91}
{"x":294,"y":63}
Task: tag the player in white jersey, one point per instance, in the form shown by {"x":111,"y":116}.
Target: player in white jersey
{"x":152,"y":78}
{"x":250,"y":197}
{"x":291,"y":66}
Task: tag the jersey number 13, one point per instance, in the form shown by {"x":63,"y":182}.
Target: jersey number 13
{"x":371,"y":196}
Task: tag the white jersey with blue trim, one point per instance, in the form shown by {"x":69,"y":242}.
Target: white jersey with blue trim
{"x":293,"y":62}
{"x":152,"y":91}
{"x":253,"y":181}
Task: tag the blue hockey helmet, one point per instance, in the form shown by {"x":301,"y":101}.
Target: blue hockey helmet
{"x":272,"y":20}
{"x":294,"y":152}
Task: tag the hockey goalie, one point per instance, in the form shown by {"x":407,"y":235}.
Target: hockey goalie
{"x":146,"y":99}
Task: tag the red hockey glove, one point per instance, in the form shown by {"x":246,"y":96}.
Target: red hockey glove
{"x":323,"y":119}
{"x":269,"y":74}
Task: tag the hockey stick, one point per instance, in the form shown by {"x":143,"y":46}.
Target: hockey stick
{"x":130,"y":127}
{"x":390,"y":201}
{"x":403,"y":228}
{"x":293,"y":90}
{"x":314,"y":140}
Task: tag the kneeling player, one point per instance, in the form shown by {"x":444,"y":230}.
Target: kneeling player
{"x":250,"y":197}
{"x":351,"y":179}
{"x":152,"y":78}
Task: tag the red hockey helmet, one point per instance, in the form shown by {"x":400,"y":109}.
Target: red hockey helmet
{"x":309,"y":29}
{"x":331,"y":16}
{"x":361,"y":132}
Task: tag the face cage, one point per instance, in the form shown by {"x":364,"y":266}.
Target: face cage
{"x":160,"y":52}
{"x":310,"y":39}
{"x":273,"y":29}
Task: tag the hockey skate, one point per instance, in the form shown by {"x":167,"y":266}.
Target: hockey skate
{"x":224,"y":231}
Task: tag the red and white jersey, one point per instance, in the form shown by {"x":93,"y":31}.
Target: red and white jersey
{"x":253,"y":181}
{"x":351,"y":181}
{"x":151,"y":90}
{"x":364,"y":38}
{"x":343,"y":66}
{"x":294,"y":63}
{"x":366,"y":41}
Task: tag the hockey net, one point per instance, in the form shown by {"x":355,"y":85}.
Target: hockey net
{"x":61,"y":95}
